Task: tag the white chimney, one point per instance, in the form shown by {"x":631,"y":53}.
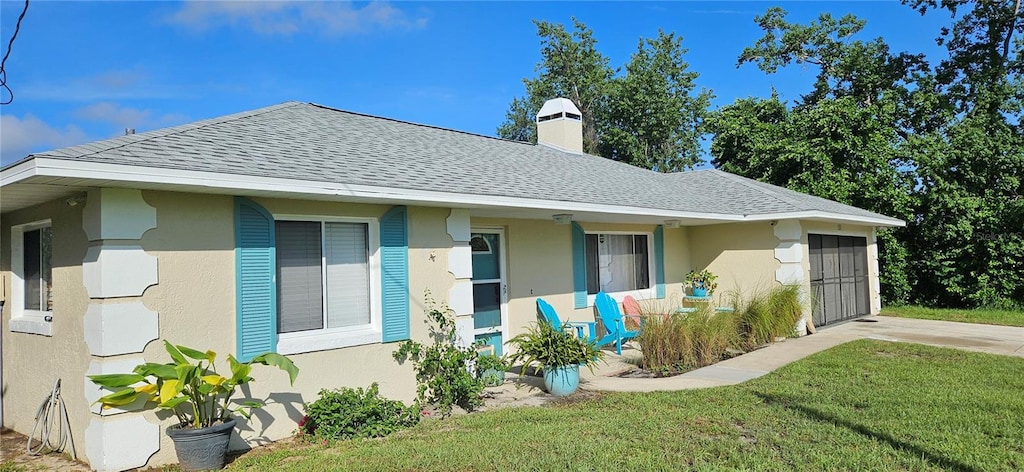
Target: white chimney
{"x":560,"y":124}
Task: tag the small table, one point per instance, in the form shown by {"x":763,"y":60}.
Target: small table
{"x":695,"y":300}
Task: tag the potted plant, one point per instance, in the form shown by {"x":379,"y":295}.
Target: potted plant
{"x":556,"y":352}
{"x":702,"y":284}
{"x":190,"y":387}
{"x":491,"y":369}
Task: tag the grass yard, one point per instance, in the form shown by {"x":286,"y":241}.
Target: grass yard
{"x":866,"y":405}
{"x":993,"y":317}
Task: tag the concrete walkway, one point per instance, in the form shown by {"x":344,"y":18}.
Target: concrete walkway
{"x":1004,"y":340}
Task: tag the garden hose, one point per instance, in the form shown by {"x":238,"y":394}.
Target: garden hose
{"x":51,"y":417}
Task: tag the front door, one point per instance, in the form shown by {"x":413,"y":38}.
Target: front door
{"x":489,"y":302}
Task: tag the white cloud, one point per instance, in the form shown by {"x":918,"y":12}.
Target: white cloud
{"x":21,"y":136}
{"x":111,"y":113}
{"x":120,"y":84}
{"x":289,"y":17}
{"x":127,"y":117}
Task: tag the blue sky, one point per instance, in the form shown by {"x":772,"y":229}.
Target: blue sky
{"x":83,"y":71}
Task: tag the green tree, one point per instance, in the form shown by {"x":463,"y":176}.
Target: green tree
{"x":570,"y":67}
{"x":651,"y":116}
{"x":656,"y":116}
{"x":844,"y":140}
{"x":970,"y":228}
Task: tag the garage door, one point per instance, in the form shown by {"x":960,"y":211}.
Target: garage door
{"x":839,"y":277}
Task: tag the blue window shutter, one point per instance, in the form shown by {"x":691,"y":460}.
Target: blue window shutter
{"x":394,"y":259}
{"x":256,"y":296}
{"x":659,"y":261}
{"x":579,"y":265}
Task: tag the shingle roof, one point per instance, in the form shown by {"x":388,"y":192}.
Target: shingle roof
{"x":312,"y":142}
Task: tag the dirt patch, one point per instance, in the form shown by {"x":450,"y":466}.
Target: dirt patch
{"x":13,"y":455}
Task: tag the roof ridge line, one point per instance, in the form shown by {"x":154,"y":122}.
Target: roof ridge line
{"x":163,"y":132}
{"x":753,"y":184}
{"x":413,"y":123}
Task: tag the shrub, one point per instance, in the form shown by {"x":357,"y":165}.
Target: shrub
{"x":490,"y":369}
{"x":683,"y":341}
{"x":769,"y":314}
{"x":356,"y":413}
{"x":443,"y":369}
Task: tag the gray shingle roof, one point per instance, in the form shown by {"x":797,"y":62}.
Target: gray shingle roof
{"x":311,"y":142}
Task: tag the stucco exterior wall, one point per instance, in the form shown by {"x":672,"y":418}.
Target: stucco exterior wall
{"x":539,"y":264}
{"x":32,"y":363}
{"x":817,"y":227}
{"x":194,"y":243}
{"x":742,"y":255}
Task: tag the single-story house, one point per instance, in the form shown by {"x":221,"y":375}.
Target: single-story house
{"x":316,"y":232}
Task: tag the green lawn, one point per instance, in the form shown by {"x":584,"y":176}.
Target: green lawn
{"x":994,"y":317}
{"x":864,"y":405}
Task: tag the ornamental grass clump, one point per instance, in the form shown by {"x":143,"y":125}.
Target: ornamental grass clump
{"x":768,"y":314}
{"x":683,"y":341}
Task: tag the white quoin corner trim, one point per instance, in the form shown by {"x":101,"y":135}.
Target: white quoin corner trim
{"x":110,"y":271}
{"x":121,"y":443}
{"x":119,"y":328}
{"x":117,"y":213}
{"x":790,"y":254}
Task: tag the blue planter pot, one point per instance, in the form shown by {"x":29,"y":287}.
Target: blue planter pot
{"x":700,"y":292}
{"x":562,"y":381}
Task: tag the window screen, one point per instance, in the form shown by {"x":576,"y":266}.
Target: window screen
{"x":312,"y":255}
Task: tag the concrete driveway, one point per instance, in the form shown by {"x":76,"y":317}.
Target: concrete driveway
{"x":1002,"y":340}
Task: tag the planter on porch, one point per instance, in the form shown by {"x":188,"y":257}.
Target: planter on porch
{"x":562,"y":381}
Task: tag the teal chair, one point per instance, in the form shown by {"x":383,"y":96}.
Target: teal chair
{"x":611,"y":318}
{"x":548,"y":314}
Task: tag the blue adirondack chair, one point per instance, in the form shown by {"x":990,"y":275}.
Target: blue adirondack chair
{"x":549,"y":315}
{"x":611,"y":317}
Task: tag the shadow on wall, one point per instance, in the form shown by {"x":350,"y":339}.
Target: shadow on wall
{"x":292,"y":403}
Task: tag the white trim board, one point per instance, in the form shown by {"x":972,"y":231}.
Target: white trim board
{"x":234,"y":183}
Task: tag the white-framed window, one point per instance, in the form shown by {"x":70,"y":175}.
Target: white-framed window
{"x":619,"y":264}
{"x":32,"y":278}
{"x":328,"y":283}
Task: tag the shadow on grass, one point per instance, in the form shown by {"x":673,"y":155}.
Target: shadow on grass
{"x":794,"y":405}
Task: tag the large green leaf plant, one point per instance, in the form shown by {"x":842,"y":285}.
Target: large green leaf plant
{"x":190,"y":385}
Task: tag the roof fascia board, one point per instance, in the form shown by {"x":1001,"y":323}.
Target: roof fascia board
{"x":153,"y":175}
{"x":215,"y":180}
{"x":824,"y":215}
{"x":18,"y":173}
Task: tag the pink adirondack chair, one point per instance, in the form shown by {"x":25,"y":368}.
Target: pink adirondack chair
{"x":631,"y":310}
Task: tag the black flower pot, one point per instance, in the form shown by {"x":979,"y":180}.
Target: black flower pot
{"x":203,"y":448}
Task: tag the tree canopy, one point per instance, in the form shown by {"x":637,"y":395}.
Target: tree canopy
{"x":650,"y":116}
{"x":937,"y":142}
{"x":939,"y":146}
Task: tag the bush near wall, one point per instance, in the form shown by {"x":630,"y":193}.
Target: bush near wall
{"x":356,"y":413}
